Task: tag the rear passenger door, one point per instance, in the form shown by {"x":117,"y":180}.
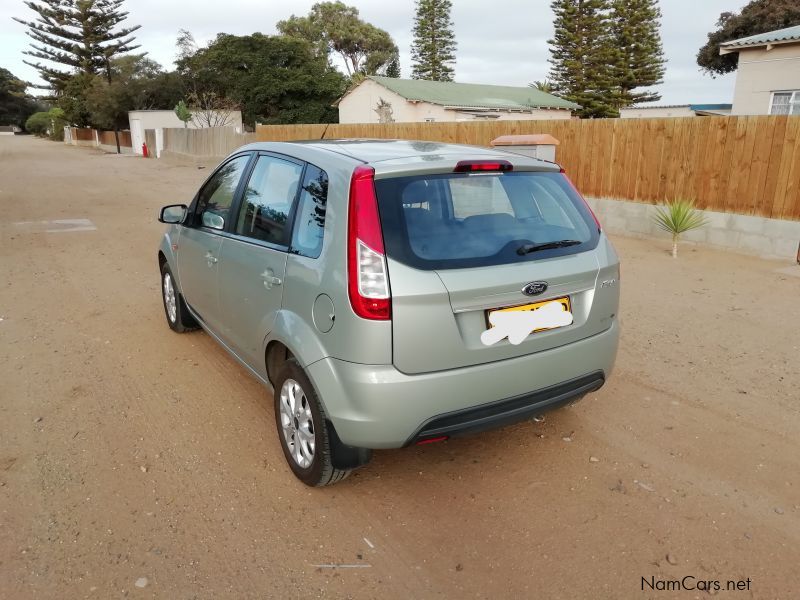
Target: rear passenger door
{"x":253,"y":256}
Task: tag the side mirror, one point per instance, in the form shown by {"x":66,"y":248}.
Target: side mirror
{"x":213,"y":221}
{"x":174,"y":213}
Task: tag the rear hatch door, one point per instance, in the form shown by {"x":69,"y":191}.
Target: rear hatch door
{"x":460,"y":245}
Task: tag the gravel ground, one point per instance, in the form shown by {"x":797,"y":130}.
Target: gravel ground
{"x":137,"y":462}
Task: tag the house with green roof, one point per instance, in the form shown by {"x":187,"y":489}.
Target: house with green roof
{"x":768,"y":76}
{"x":390,"y":100}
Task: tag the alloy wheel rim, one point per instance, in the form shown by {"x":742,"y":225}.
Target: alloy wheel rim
{"x":169,"y":298}
{"x":297,"y":423}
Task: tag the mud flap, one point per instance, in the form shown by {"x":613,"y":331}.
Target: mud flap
{"x":344,"y":456}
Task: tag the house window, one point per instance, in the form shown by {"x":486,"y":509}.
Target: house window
{"x":429,"y":119}
{"x":785,"y":103}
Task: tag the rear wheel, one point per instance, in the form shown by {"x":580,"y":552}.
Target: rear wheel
{"x":178,"y":317}
{"x":300,"y":419}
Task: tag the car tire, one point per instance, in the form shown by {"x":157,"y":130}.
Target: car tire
{"x":302,"y":430}
{"x":178,"y":317}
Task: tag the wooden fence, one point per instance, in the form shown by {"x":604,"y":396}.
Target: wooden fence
{"x":107,"y":138}
{"x":746,"y":165}
{"x":208,"y":142}
{"x":81,"y":136}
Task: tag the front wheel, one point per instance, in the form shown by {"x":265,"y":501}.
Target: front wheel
{"x":178,"y":317}
{"x":300,"y":419}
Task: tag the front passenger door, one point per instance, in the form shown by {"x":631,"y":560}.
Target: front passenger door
{"x":253,"y":258}
{"x":200,"y":241}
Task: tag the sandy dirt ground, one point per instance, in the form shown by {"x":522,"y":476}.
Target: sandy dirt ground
{"x":135,"y":462}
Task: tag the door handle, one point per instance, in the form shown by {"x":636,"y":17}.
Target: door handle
{"x":270,"y":279}
{"x":211,"y":259}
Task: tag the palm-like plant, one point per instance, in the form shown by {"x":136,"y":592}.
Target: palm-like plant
{"x":677,"y":217}
{"x":543,"y":86}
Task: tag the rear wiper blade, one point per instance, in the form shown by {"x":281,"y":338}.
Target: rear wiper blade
{"x":528,"y":248}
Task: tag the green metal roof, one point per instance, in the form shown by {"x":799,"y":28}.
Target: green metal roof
{"x":471,"y":95}
{"x":788,"y":34}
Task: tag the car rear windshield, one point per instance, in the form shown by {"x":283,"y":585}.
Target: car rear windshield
{"x":459,"y":220}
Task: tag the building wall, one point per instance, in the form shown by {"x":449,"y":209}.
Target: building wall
{"x":162,"y":119}
{"x":762,"y":72}
{"x":655,"y":113}
{"x":360,"y":104}
{"x":142,"y":120}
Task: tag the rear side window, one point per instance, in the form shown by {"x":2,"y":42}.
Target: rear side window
{"x":311,"y":208}
{"x":268,"y":199}
{"x":461,"y":220}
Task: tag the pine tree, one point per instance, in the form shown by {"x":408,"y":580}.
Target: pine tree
{"x":639,"y":54}
{"x":393,"y":67}
{"x":434,"y":46}
{"x":79,"y":34}
{"x":581,"y":55}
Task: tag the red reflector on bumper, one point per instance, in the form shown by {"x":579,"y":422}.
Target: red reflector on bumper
{"x":432,"y":440}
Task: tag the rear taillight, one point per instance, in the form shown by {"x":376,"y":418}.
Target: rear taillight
{"x":367,"y":276}
{"x":589,"y":208}
{"x":469,"y":166}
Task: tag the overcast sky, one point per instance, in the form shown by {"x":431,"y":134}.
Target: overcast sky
{"x":503,"y":43}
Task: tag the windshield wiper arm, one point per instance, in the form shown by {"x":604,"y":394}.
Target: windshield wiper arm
{"x":528,"y":248}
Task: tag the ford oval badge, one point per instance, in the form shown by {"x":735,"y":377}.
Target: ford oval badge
{"x":534,"y":288}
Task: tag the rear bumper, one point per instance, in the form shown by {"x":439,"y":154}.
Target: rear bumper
{"x":377,"y":406}
{"x":511,"y":410}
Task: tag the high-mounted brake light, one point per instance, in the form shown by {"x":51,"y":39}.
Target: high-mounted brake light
{"x":469,"y":166}
{"x":585,"y":203}
{"x":367,"y":276}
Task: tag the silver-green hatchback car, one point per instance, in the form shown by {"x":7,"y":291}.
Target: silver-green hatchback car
{"x":393,"y":292}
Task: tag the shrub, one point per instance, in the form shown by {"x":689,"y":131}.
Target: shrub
{"x":47,"y":124}
{"x":38,"y":123}
{"x":677,"y":217}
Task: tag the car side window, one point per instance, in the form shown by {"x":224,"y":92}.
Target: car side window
{"x":310,"y":217}
{"x":216,"y":197}
{"x":268,"y":200}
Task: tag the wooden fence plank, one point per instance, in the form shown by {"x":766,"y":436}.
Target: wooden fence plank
{"x":786,"y":204}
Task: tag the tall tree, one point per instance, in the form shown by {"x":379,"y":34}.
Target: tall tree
{"x":756,"y":17}
{"x":393,"y":67}
{"x":581,"y":55}
{"x":15,"y":104}
{"x":272,"y":79}
{"x":81,"y":35}
{"x":137,"y":83}
{"x":433,"y":50}
{"x":639,"y":55}
{"x":335,"y":28}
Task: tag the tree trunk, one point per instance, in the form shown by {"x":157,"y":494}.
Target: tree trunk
{"x":116,"y":127}
{"x":675,"y":246}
